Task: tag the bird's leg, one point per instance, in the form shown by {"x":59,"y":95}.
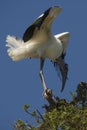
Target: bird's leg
{"x":41,"y":74}
{"x":48,"y":95}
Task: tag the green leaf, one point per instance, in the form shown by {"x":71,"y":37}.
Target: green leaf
{"x":34,"y":113}
{"x":26,"y":106}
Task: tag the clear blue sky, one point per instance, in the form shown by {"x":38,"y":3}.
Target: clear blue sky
{"x":19,"y":81}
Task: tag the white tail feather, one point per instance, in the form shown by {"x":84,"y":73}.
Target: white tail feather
{"x":18,"y":50}
{"x":14,"y":44}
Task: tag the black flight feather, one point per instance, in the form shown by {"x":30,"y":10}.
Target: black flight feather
{"x":60,"y":64}
{"x":36,"y":24}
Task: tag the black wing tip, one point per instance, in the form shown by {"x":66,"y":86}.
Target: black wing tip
{"x":62,"y":88}
{"x":65,"y":77}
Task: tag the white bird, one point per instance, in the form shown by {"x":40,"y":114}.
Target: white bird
{"x":39,"y":42}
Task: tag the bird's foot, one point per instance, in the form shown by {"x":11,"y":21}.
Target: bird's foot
{"x":48,"y":95}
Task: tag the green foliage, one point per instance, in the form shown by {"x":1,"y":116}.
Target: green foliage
{"x":26,"y":106}
{"x":66,"y":115}
{"x":68,"y":118}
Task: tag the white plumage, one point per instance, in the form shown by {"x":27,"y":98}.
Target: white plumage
{"x":39,"y":42}
{"x":51,"y":49}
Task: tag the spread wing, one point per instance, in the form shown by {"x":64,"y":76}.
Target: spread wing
{"x":43,"y":22}
{"x":64,"y":38}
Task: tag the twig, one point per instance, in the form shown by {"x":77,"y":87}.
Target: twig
{"x":40,"y":115}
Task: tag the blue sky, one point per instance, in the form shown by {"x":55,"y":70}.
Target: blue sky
{"x":19,"y":81}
